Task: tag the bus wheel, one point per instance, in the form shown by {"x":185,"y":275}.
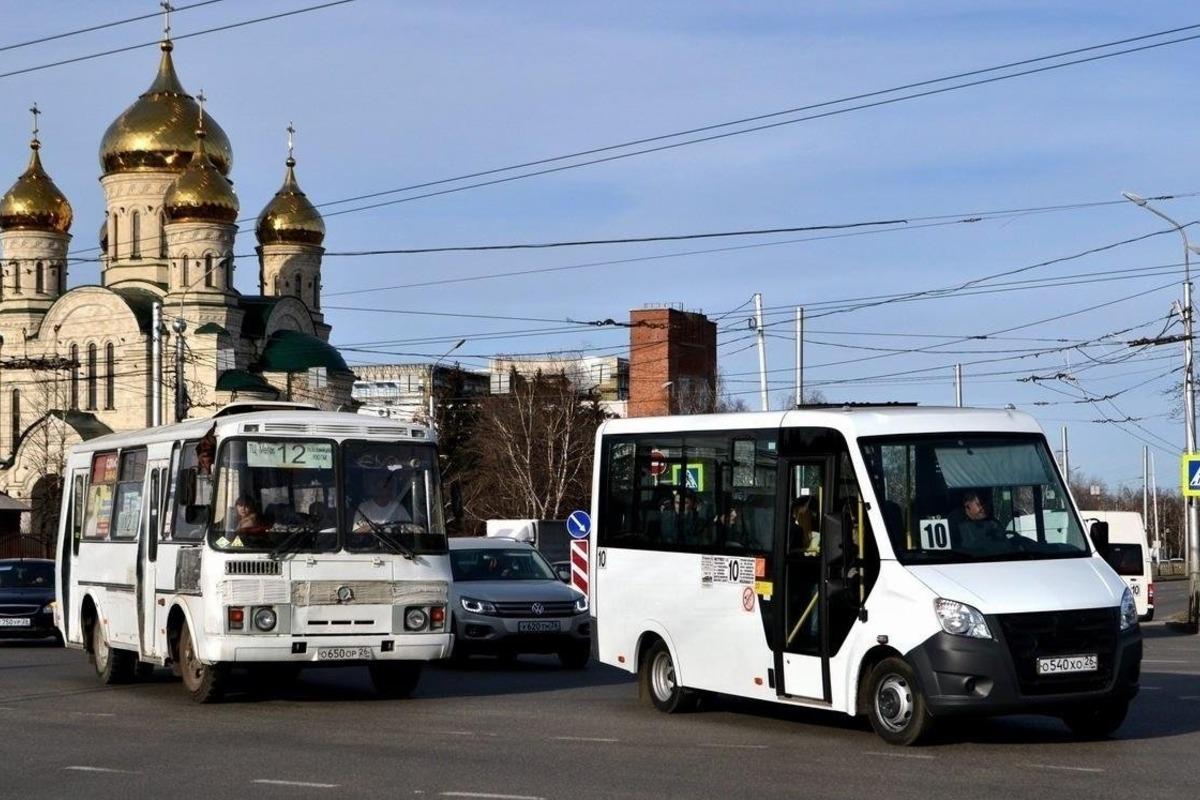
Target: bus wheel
{"x":657,"y":681}
{"x":112,"y":665}
{"x":204,"y":682}
{"x":1098,"y":721}
{"x":395,"y":680}
{"x":897,"y":707}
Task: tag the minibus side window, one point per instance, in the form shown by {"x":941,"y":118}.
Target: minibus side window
{"x":98,"y":519}
{"x":77,"y":508}
{"x":852,"y":563}
{"x":131,"y":483}
{"x":192,"y":494}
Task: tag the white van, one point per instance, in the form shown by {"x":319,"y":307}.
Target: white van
{"x":1129,"y":555}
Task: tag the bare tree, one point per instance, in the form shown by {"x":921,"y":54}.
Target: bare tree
{"x":44,"y":446}
{"x":531,"y":450}
{"x":1093,"y":494}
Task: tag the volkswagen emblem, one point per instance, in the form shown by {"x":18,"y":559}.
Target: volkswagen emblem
{"x":538,"y":609}
{"x":345,"y":594}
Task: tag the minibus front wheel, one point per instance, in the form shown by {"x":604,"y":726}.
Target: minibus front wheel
{"x":204,"y":682}
{"x":896,"y":705}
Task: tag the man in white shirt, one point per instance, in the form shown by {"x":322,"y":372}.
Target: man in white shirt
{"x":381,"y":506}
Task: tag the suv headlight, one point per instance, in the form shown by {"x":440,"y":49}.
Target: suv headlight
{"x":1129,"y":615}
{"x":581,"y":604}
{"x":477,"y":606}
{"x":49,"y":608}
{"x":960,"y":619}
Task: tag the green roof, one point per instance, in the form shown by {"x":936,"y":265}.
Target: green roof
{"x":212,"y":327}
{"x":239,"y":380}
{"x":292,"y":351}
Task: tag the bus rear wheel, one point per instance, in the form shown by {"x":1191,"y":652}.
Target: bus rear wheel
{"x":395,"y":680}
{"x":657,"y":681}
{"x":896,"y":706}
{"x":112,"y":666}
{"x":204,"y":682}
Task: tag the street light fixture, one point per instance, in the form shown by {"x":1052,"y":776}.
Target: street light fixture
{"x":432,"y":370}
{"x":1189,"y":410}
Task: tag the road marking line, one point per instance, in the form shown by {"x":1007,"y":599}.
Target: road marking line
{"x":102,"y":769}
{"x":899,"y":755}
{"x":490,"y":796}
{"x":1164,"y":661}
{"x":1062,"y":768}
{"x":584,"y":739}
{"x":463,"y":733}
{"x":304,"y":784}
{"x":737,"y":746}
{"x":91,"y":714}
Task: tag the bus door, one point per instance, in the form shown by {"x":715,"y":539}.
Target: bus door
{"x":156,"y":475}
{"x":801,"y":660}
{"x":71,"y":524}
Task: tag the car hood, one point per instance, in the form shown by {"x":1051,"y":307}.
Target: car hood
{"x":1013,"y":587}
{"x":26,"y":596}
{"x":504,"y":591}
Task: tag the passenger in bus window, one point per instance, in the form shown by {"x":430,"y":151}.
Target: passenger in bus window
{"x":977,"y":529}
{"x":803,"y":539}
{"x":249,"y":520}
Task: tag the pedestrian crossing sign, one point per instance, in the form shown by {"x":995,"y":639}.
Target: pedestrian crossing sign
{"x":1191,"y":475}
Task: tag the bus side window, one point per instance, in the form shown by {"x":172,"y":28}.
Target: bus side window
{"x":77,"y":507}
{"x":98,"y":517}
{"x":192,"y":493}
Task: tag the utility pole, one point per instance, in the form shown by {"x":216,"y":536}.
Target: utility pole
{"x":799,"y":355}
{"x":762,"y":351}
{"x":1154,"y":494}
{"x":156,"y":365}
{"x":958,"y":385}
{"x":1066,"y":458}
{"x":179,"y":326}
{"x":1189,"y":415}
{"x":1145,"y":486}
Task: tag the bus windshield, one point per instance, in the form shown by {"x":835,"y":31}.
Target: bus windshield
{"x":972,"y":497}
{"x":392,"y":498}
{"x":275,"y":495}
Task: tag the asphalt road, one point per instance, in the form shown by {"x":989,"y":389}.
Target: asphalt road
{"x":532,"y":730}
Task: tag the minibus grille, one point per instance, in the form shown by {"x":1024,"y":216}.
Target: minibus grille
{"x":525,"y":608}
{"x":1062,"y":633}
{"x":252,"y":568}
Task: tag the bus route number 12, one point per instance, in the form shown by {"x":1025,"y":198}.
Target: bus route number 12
{"x":935,"y":534}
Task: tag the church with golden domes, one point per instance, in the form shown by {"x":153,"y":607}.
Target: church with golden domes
{"x":77,"y":362}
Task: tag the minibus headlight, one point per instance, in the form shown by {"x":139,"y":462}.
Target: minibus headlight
{"x":265,"y":619}
{"x":1129,"y":616}
{"x":960,"y":619}
{"x":581,"y":604}
{"x":415,"y":619}
{"x":477,"y":606}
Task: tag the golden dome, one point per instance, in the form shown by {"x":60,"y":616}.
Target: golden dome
{"x":157,"y":131}
{"x":34,"y":202}
{"x":290,"y":218}
{"x":201,"y":193}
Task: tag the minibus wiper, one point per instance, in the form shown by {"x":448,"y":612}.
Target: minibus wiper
{"x":290,"y":543}
{"x":396,"y":546}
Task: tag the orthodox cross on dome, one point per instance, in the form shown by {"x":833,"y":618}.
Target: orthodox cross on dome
{"x":36,"y":113}
{"x":200,"y":99}
{"x":167,"y":9}
{"x":291,"y":132}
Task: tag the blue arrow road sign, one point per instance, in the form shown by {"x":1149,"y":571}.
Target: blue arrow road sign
{"x":1191,"y":475}
{"x":579,"y":524}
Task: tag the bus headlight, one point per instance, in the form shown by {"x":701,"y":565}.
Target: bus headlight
{"x":415,"y":619}
{"x":265,"y":619}
{"x":477,"y":606}
{"x":581,"y":604}
{"x":960,"y":619}
{"x":1129,"y":615}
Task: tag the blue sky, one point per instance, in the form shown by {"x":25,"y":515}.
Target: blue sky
{"x":388,"y":94}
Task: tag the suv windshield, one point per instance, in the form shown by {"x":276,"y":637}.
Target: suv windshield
{"x":275,"y":494}
{"x":972,"y":497}
{"x":495,"y":564}
{"x":392,"y":499}
{"x":26,"y":575}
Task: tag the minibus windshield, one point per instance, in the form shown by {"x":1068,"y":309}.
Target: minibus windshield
{"x":392,"y":499}
{"x":972,"y":497}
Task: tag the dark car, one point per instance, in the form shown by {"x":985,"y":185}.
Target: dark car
{"x":26,"y":597}
{"x":507,"y":600}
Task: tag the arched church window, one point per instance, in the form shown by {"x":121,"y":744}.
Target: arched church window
{"x":91,"y":377}
{"x":162,"y":235}
{"x":276,"y":289}
{"x":16,"y":418}
{"x":208,"y":270}
{"x":110,"y":377}
{"x":60,"y":273}
{"x":115,"y":239}
{"x":184,"y":262}
{"x":16,"y":268}
{"x":75,"y":376}
{"x":229,"y":274}
{"x":40,"y":278}
{"x":135,"y":235}
{"x":299,"y":286}
{"x":317,"y":293}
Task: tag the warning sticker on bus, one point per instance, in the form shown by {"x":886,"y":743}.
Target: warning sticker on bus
{"x":726,"y":569}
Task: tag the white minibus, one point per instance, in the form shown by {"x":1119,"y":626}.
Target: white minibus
{"x":1129,"y":554}
{"x":903,"y":563}
{"x":268,"y":538}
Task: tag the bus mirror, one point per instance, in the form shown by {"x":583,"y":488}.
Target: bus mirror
{"x":1099,"y":534}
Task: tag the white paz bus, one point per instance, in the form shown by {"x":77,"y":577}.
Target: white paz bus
{"x":268,"y":538}
{"x":896,"y":562}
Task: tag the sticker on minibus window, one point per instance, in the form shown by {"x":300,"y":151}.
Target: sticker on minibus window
{"x":935,"y":534}
{"x":289,"y":455}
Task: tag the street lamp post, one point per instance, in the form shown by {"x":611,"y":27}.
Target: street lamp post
{"x":432,"y":371}
{"x":1189,"y":412}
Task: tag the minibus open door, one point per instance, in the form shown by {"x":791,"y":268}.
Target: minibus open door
{"x":147,"y":616}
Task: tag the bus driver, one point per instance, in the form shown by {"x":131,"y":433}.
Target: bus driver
{"x":381,"y":506}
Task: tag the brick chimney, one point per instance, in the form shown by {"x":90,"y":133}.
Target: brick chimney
{"x":672,"y":362}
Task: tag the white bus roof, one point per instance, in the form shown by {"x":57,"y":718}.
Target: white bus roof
{"x":286,"y":422}
{"x":853,"y":421}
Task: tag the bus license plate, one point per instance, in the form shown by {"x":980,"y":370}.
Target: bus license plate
{"x":343,"y":653}
{"x":538,"y":626}
{"x":1051,"y":666}
{"x":14,"y":622}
